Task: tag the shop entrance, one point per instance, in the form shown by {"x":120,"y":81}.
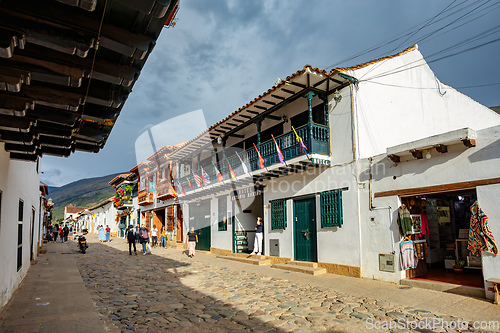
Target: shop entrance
{"x":304,"y":212}
{"x":159,"y":218}
{"x":442,"y":249}
{"x":199,"y":219}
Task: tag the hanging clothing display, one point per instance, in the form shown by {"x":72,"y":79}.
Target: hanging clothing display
{"x":409,"y":256}
{"x":480,"y":236}
{"x":425,"y":225}
{"x":404,"y":220}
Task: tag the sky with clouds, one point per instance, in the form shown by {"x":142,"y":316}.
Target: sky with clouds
{"x":223,"y":53}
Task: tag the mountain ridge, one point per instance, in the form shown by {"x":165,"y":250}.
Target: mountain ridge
{"x":85,"y":192}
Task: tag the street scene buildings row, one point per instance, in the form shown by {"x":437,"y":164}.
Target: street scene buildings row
{"x":328,"y":159}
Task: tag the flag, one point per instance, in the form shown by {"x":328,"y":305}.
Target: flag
{"x":299,"y":140}
{"x":280,"y":155}
{"x":189,"y":183}
{"x":179,"y":186}
{"x":217,"y":172}
{"x":245,"y":169}
{"x":261,"y":160}
{"x":206,"y":177}
{"x":173,"y":191}
{"x":231,"y":172}
{"x":197,"y":178}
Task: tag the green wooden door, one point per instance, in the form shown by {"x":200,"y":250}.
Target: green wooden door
{"x":200,"y":219}
{"x":305,"y":230}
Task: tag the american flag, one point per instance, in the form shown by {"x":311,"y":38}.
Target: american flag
{"x":206,"y":177}
{"x":197,"y":179}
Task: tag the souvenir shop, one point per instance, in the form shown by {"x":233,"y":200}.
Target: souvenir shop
{"x":435,"y":238}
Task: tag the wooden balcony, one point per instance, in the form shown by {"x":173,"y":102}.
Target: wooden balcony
{"x":315,"y":136}
{"x":145,"y":198}
{"x":164,"y":190}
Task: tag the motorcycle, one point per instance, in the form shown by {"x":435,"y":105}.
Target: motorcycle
{"x":82,"y":244}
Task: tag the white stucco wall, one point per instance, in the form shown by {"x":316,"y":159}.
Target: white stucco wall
{"x":18,"y":180}
{"x":457,"y":165}
{"x":406,"y":106}
{"x":335,"y":245}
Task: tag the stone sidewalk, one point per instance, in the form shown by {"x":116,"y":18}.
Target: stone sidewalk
{"x":168,"y":290}
{"x":52,"y":297}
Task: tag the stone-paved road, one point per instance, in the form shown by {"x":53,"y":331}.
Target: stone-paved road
{"x":168,"y":290}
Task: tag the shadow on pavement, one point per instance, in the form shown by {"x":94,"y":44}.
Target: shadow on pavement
{"x":144,"y":293}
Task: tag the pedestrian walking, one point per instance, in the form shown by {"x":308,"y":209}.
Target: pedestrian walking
{"x":100,"y":234}
{"x":154,"y":236}
{"x":163,"y":239}
{"x":191,"y":240}
{"x":137,"y":230}
{"x":108,"y":233}
{"x":61,"y":234}
{"x":259,"y":233}
{"x":55,"y":232}
{"x":66,"y":233}
{"x":143,"y":238}
{"x":131,"y":240}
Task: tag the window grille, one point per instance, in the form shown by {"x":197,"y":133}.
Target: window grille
{"x":331,"y":209}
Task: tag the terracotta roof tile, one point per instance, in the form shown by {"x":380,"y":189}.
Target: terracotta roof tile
{"x":353,"y":68}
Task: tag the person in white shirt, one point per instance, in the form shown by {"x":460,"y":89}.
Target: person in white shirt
{"x":154,"y":236}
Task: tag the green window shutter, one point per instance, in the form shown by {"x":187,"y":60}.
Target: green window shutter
{"x":278,"y":214}
{"x":331,"y":209}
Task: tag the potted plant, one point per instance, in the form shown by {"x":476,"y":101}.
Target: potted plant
{"x":458,"y":266}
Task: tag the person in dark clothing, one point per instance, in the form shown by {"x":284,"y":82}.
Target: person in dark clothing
{"x":259,"y":232}
{"x":66,"y":233}
{"x":191,"y":239}
{"x":131,"y":239}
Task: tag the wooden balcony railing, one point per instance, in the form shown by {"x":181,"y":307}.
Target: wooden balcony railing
{"x":145,"y":198}
{"x":316,"y":137}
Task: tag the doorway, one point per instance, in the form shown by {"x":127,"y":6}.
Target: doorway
{"x":448,"y":219}
{"x":305,"y":237}
{"x":199,"y":219}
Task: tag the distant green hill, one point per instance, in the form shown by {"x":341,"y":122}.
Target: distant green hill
{"x":82,"y":193}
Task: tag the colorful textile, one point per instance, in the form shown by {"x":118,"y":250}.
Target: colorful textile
{"x":220,"y":178}
{"x":299,"y":140}
{"x":425,"y":224}
{"x":197,"y":178}
{"x":189,"y":183}
{"x":243,"y":165}
{"x":206,"y":177}
{"x":409,"y":256}
{"x":231,"y":172}
{"x":480,"y":236}
{"x":261,"y":160}
{"x":404,"y":220}
{"x":280,"y":154}
{"x":179,"y":186}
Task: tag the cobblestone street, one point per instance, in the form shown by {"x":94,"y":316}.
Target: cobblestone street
{"x":168,"y":290}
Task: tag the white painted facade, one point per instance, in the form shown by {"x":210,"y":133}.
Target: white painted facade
{"x":19,"y":182}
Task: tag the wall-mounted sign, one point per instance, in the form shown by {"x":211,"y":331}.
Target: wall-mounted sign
{"x":320,"y":161}
{"x":248,"y":192}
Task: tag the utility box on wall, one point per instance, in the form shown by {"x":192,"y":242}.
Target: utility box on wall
{"x":274,"y":247}
{"x":386,"y":262}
